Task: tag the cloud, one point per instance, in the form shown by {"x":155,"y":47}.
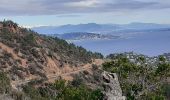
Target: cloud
{"x":85,"y":3}
{"x":68,"y":15}
{"x":54,"y":7}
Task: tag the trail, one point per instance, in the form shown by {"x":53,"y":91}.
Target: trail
{"x":86,"y":67}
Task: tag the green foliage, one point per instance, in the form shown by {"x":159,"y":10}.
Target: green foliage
{"x":16,"y":95}
{"x":154,"y":96}
{"x":76,"y":82}
{"x":166,"y":90}
{"x":80,"y":93}
{"x":29,"y":40}
{"x":62,"y":91}
{"x":60,"y":85}
{"x":73,"y":54}
{"x":162,"y":58}
{"x":140,"y":80}
{"x":5,"y":86}
{"x":121,"y":65}
{"x":33,"y":93}
{"x":163,"y":69}
{"x":8,"y":35}
{"x":9,"y":22}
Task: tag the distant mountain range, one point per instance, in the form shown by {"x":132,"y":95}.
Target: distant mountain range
{"x":100,"y":28}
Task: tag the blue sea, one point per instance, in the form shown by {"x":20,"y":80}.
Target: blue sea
{"x":147,"y":43}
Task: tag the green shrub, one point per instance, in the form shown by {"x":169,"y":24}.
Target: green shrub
{"x":5,"y":86}
{"x":62,"y":91}
{"x":141,"y":81}
{"x":33,"y":93}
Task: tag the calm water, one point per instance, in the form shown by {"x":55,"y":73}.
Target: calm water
{"x":151,"y":44}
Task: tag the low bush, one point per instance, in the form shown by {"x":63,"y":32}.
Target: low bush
{"x":5,"y":86}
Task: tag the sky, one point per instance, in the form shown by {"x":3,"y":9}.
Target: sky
{"x":31,"y":13}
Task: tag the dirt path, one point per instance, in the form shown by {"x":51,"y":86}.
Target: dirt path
{"x":54,"y":77}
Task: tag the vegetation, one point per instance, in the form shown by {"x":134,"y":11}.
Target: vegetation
{"x":24,"y":53}
{"x":35,"y":49}
{"x":5,"y":86}
{"x":62,"y":91}
{"x":140,"y":80}
{"x":25,"y":39}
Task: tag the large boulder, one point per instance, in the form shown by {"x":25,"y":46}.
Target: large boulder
{"x":112,"y":87}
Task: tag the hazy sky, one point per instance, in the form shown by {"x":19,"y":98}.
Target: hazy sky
{"x":59,"y":12}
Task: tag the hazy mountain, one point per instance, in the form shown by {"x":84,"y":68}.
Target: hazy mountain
{"x":99,"y":28}
{"x":90,"y":27}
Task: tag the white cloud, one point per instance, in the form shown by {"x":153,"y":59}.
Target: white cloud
{"x":53,"y":7}
{"x":85,"y":3}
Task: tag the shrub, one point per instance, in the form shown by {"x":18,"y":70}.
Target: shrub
{"x":143,"y":81}
{"x":62,"y":91}
{"x":5,"y":86}
{"x":18,"y":95}
{"x":77,"y":81}
{"x":33,"y":93}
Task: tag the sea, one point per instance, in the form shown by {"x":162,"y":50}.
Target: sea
{"x":147,"y":43}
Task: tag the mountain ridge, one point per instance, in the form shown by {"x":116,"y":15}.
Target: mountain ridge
{"x":98,"y":28}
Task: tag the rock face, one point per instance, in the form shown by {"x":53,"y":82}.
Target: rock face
{"x":112,"y":87}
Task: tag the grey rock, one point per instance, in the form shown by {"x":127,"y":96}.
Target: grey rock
{"x":112,"y":87}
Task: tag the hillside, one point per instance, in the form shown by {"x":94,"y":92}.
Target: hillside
{"x":27,"y":55}
{"x":37,"y":67}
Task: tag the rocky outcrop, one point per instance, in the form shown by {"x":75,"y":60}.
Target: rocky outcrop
{"x":112,"y":87}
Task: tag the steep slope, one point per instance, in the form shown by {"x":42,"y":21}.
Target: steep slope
{"x":26,"y":55}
